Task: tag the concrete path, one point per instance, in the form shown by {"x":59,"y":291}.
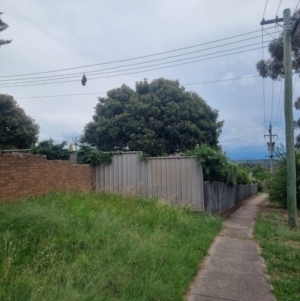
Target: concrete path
{"x":234,"y":270}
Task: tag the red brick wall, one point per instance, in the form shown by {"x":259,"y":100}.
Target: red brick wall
{"x":23,"y":175}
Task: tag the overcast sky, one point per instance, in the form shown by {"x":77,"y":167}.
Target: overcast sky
{"x":51,"y":35}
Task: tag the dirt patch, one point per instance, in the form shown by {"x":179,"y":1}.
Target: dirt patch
{"x":292,"y":243}
{"x":266,"y":208}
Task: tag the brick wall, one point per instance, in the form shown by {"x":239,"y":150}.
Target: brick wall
{"x":23,"y":175}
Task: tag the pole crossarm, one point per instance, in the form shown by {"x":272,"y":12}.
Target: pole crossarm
{"x":264,"y":22}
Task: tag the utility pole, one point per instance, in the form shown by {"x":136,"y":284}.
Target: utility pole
{"x":75,"y":140}
{"x":289,"y":120}
{"x":289,"y":29}
{"x":271,"y":147}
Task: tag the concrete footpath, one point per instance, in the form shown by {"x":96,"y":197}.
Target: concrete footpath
{"x":233,"y":270}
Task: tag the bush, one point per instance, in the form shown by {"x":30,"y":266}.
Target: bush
{"x":90,"y":155}
{"x":243,"y":176}
{"x":278,"y":184}
{"x":216,"y":167}
{"x":51,"y":150}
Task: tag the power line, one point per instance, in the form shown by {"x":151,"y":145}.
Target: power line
{"x":264,"y":94}
{"x":279,"y":101}
{"x":130,"y":69}
{"x":273,"y":84}
{"x":222,"y":80}
{"x":278,"y":7}
{"x":128,"y":65}
{"x":117,"y":75}
{"x":131,"y":59}
{"x":265,"y":9}
{"x":243,"y":136}
{"x":296,"y":6}
{"x":61,"y":95}
{"x":81,"y":94}
{"x":252,"y":126}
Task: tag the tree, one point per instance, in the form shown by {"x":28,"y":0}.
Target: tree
{"x":51,"y":150}
{"x":157,"y":118}
{"x":3,"y":26}
{"x":17,"y":130}
{"x":273,"y":67}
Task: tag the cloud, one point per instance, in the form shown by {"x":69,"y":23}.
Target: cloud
{"x":50,"y":35}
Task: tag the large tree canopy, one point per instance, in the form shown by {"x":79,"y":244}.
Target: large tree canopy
{"x":157,"y":118}
{"x":3,"y":26}
{"x":17,"y":130}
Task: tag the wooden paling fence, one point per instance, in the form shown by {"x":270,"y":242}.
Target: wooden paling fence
{"x":176,"y":180}
{"x":219,"y":197}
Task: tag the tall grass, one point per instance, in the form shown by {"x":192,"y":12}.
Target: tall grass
{"x":281,"y":250}
{"x":100,"y":246}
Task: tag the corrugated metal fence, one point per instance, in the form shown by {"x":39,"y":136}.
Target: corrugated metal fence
{"x":176,"y":180}
{"x":219,"y":197}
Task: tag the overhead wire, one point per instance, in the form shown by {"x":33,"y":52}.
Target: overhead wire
{"x":93,"y":93}
{"x":130,"y":69}
{"x":263,"y":79}
{"x":272,"y":100}
{"x":117,"y":75}
{"x":262,"y":50}
{"x":278,"y":108}
{"x":296,"y":6}
{"x":144,"y":62}
{"x":243,"y":136}
{"x":265,"y":9}
{"x":278,"y":7}
{"x":131,"y":59}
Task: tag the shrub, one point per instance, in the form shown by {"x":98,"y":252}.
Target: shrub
{"x":90,"y":155}
{"x":51,"y":150}
{"x":278,"y":184}
{"x":216,"y":167}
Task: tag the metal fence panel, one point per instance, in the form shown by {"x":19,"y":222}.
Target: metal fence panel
{"x":176,"y":180}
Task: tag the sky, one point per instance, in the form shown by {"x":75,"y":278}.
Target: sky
{"x":55,"y":35}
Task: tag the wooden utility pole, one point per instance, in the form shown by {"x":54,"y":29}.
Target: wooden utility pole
{"x":289,"y":30}
{"x":271,"y":146}
{"x":289,"y":120}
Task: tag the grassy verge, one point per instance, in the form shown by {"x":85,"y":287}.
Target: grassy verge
{"x":281,"y":250}
{"x":100,"y":246}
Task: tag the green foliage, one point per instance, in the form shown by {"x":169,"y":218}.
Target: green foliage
{"x":274,"y":67}
{"x":100,"y":246}
{"x":3,"y":26}
{"x":259,"y":174}
{"x":51,"y":150}
{"x":17,"y":130}
{"x":280,"y":249}
{"x":216,"y":167}
{"x":91,"y":155}
{"x":157,"y":118}
{"x":278,"y":184}
{"x":242,"y":177}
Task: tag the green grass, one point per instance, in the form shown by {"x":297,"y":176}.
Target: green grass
{"x":100,"y":246}
{"x":281,"y":250}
